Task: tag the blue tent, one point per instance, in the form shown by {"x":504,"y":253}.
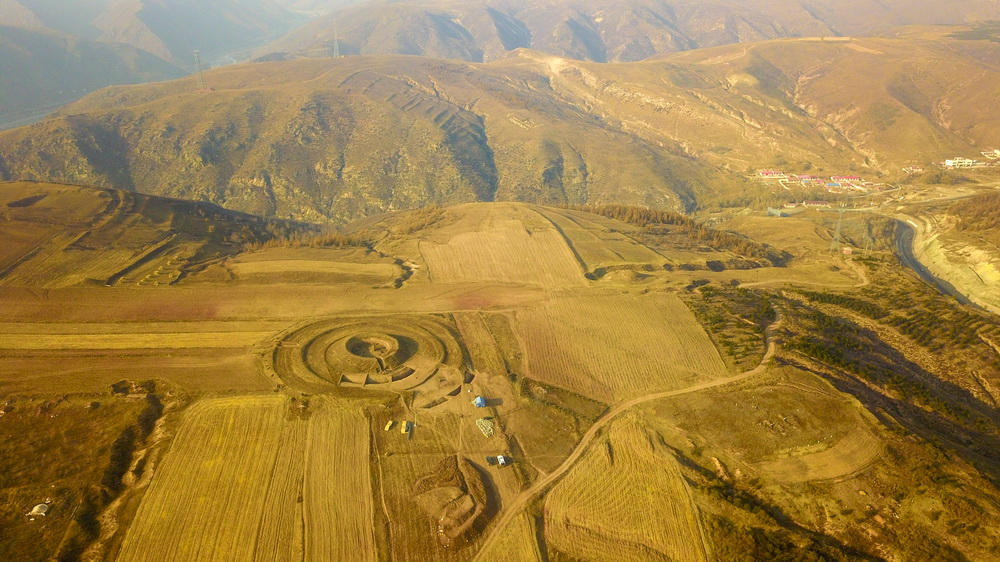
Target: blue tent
{"x":480,"y":402}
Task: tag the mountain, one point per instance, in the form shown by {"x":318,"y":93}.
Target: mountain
{"x":41,"y":70}
{"x":626,"y":30}
{"x":169,"y":29}
{"x":316,"y":7}
{"x":322,"y":139}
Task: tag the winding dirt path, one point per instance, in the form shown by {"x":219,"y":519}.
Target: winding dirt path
{"x":521,"y":501}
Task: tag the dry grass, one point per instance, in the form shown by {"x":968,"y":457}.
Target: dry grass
{"x":207,"y":498}
{"x":331,"y":265}
{"x":64,"y":457}
{"x":228,"y":489}
{"x":825,"y":460}
{"x":517,"y":542}
{"x":310,"y":266}
{"x":612,"y":348}
{"x":181,"y":340}
{"x":196,"y":369}
{"x":623,"y":501}
{"x":482,"y":348}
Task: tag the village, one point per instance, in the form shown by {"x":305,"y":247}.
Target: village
{"x":837,"y":184}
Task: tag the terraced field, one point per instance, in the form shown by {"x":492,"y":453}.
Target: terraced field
{"x":311,"y":265}
{"x":330,"y":410}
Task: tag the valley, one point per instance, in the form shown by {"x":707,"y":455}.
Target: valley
{"x":292,"y":359}
{"x":553,"y":281}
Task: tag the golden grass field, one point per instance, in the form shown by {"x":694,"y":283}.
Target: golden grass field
{"x":598,"y":241}
{"x":616,"y":347}
{"x":229,"y":488}
{"x":796,"y":428}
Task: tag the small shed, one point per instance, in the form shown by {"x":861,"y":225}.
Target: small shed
{"x":502,"y":460}
{"x":479,"y":402}
{"x":389,"y":424}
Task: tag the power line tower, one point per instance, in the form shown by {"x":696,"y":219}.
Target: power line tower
{"x":198,"y":69}
{"x":835,"y":241}
{"x":336,"y":44}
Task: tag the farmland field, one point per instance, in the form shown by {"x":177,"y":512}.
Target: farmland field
{"x":131,"y":341}
{"x":337,"y":488}
{"x":311,"y":265}
{"x":625,"y":500}
{"x":228,"y":487}
{"x":321,"y":403}
{"x":616,"y":347}
{"x":597,"y":244}
{"x":517,"y":542}
{"x":504,"y":249}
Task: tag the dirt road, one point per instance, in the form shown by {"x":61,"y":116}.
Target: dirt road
{"x":524,"y":498}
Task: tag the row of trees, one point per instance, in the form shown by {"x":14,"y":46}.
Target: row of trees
{"x":311,"y":239}
{"x":654,"y":219}
{"x":979,"y":213}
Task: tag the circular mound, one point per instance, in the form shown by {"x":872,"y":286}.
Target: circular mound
{"x":394,"y":352}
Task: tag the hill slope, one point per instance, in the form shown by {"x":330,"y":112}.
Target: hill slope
{"x":603,"y":31}
{"x":342,"y":138}
{"x":64,"y":235}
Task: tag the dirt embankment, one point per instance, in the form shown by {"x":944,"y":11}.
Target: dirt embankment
{"x":455,"y":495}
{"x":957,"y":266}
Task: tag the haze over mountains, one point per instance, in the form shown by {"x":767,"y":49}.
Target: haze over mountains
{"x":228,"y":31}
{"x":624,"y":30}
{"x":41,"y":70}
{"x":55,"y":51}
{"x":336,"y":139}
{"x":169,"y":29}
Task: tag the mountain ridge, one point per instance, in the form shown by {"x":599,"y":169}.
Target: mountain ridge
{"x":321,"y":139}
{"x":629,"y":30}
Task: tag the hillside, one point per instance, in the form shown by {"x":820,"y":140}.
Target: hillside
{"x":321,"y":139}
{"x":625,"y":30}
{"x":64,"y":235}
{"x":41,"y":70}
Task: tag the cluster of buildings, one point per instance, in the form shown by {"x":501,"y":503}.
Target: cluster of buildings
{"x":992,"y":158}
{"x":833,"y":184}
